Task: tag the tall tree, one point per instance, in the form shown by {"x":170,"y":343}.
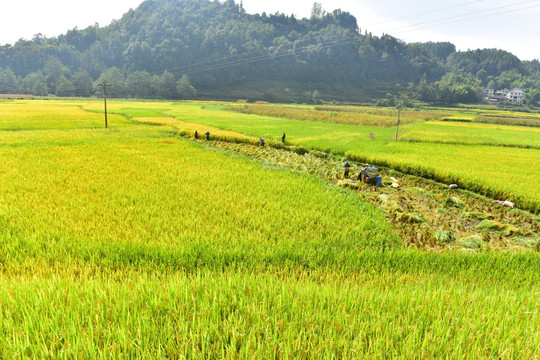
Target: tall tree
{"x":185,"y":89}
{"x":8,"y":81}
{"x":317,"y":11}
{"x":82,"y":83}
{"x":35,"y":84}
{"x":54,"y":71}
{"x":64,"y":87}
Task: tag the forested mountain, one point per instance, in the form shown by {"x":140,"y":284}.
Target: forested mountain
{"x":212,"y":49}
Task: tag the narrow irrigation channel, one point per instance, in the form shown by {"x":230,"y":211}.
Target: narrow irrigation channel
{"x":426,"y":214}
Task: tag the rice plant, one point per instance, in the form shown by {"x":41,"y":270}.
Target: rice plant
{"x":130,"y":242}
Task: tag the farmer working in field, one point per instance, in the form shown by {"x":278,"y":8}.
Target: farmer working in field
{"x":283,"y":138}
{"x":363,"y":173}
{"x":196,"y":134}
{"x":207,"y":135}
{"x":262,"y":141}
{"x":347,"y":167}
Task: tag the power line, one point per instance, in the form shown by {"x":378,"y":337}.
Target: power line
{"x":394,"y":30}
{"x":425,"y":12}
{"x":467,"y":19}
{"x":219,"y":64}
{"x":264,"y":57}
{"x":186,"y":67}
{"x":211,"y":63}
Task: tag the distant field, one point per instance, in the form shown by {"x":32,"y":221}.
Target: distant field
{"x":478,"y":167}
{"x":339,"y":115}
{"x":490,"y":114}
{"x":473,"y":133}
{"x":15,"y":96}
{"x":131,"y":242}
{"x":47,"y":114}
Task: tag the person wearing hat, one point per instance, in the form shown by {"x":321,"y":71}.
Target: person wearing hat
{"x":347,"y":167}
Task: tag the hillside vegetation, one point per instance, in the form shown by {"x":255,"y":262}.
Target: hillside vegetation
{"x":186,"y":48}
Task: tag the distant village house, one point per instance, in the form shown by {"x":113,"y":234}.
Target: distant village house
{"x":514,"y":96}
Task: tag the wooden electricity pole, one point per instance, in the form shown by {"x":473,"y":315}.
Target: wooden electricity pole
{"x":398,"y":120}
{"x":105,"y":85}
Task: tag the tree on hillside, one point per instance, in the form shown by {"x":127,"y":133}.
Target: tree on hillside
{"x":167,"y":86}
{"x":532,"y":97}
{"x":8,"y":81}
{"x":140,"y":84}
{"x":64,"y":87}
{"x":54,"y":71}
{"x":115,"y":79}
{"x":317,"y":11}
{"x":83,"y":83}
{"x":441,"y":50}
{"x":185,"y":89}
{"x":35,"y":84}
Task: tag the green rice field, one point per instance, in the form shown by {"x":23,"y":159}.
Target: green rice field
{"x":135,"y":242}
{"x":470,"y":155}
{"x":474,"y":134}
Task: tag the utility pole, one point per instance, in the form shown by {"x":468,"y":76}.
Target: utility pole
{"x":398,"y":120}
{"x":105,"y":85}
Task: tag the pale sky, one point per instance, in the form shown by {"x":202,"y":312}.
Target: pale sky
{"x":510,"y":25}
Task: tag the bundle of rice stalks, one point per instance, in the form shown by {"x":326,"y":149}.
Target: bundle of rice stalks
{"x":531,"y":243}
{"x":473,"y":242}
{"x":477,"y":216}
{"x":383,"y":198}
{"x":453,"y":201}
{"x":411,"y":218}
{"x":491,"y":225}
{"x":505,"y":229}
{"x":350,"y":184}
{"x":300,"y":150}
{"x":512,"y":230}
{"x":444,"y":237}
